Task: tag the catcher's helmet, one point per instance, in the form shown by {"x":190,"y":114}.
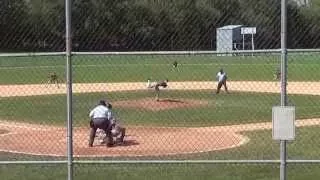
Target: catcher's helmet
{"x":109,"y":105}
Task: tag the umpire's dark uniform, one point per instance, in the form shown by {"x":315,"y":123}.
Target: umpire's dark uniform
{"x":100,"y":118}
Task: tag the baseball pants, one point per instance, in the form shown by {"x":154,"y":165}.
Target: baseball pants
{"x":104,"y":124}
{"x":220,"y":84}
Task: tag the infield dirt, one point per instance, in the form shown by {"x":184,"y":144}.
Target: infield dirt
{"x":36,"y":139}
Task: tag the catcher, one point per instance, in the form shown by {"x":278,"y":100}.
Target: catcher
{"x":157,"y":86}
{"x":118,"y":132}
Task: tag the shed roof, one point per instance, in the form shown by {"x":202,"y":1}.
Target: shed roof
{"x":230,"y":27}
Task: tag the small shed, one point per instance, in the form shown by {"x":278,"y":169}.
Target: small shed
{"x":228,"y":37}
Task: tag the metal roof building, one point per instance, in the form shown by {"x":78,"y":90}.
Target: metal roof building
{"x":227,"y":37}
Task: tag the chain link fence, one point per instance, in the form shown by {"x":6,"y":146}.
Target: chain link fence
{"x":121,"y":50}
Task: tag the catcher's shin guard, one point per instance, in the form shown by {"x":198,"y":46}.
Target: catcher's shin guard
{"x":109,"y":139}
{"x":120,"y":139}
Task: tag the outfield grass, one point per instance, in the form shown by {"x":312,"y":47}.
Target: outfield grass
{"x":222,"y":109}
{"x":28,"y":70}
{"x":261,"y":146}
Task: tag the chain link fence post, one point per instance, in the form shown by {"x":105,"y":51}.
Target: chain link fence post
{"x":69,"y":89}
{"x":284,"y":66}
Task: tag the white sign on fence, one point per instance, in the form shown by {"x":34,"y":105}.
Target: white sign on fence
{"x":249,"y":30}
{"x":283,"y":127}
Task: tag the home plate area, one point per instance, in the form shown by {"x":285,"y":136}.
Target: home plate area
{"x":140,"y":141}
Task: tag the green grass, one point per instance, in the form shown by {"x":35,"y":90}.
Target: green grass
{"x":28,"y":70}
{"x":221,"y":109}
{"x":160,"y":172}
{"x":141,"y":172}
{"x":261,"y":146}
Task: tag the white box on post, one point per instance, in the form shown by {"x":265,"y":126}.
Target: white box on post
{"x":283,"y":118}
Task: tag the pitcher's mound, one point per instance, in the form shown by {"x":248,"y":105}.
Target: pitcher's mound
{"x":162,"y":104}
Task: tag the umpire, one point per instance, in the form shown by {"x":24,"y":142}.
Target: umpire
{"x":222,"y":81}
{"x":100,"y":118}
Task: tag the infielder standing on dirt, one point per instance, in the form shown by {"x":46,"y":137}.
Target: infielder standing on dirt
{"x":222,"y":81}
{"x":277,"y":74}
{"x":100,"y":117}
{"x":157,"y":86}
{"x":53,"y":79}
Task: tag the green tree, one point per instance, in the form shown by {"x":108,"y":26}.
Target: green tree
{"x":150,"y":24}
{"x":13,"y":26}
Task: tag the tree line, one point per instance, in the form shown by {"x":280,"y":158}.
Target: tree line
{"x":133,"y":25}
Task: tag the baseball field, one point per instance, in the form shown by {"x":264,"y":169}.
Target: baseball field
{"x":189,"y":123}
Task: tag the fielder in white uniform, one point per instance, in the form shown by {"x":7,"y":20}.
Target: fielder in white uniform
{"x":151,"y":84}
{"x":157,"y":85}
{"x":222,"y":81}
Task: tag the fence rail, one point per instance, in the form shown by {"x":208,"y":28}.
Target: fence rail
{"x":240,"y":52}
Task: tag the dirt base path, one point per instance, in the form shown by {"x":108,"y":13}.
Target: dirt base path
{"x":36,"y":139}
{"x":311,"y":88}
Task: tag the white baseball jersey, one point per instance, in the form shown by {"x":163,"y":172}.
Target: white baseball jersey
{"x":221,"y":76}
{"x":151,"y":84}
{"x":101,"y":112}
